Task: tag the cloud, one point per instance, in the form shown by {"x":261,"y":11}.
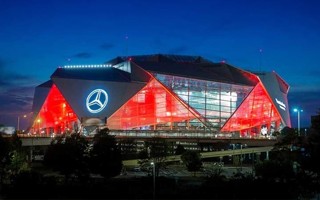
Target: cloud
{"x":16,"y":94}
{"x":305,"y":88}
{"x":18,"y":98}
{"x":309,"y":102}
{"x":3,"y":83}
{"x":10,"y":79}
{"x":107,"y":46}
{"x":15,"y":102}
{"x":82,"y":55}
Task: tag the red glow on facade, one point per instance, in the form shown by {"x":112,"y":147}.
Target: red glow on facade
{"x":257,"y":110}
{"x":55,"y":115}
{"x":151,"y":106}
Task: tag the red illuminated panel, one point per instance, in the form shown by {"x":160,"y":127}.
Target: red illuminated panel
{"x":55,"y":113}
{"x":256,"y":110}
{"x":152,"y":105}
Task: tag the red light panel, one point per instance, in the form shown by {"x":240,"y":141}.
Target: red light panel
{"x":152,"y":105}
{"x":55,"y":113}
{"x":256,"y":110}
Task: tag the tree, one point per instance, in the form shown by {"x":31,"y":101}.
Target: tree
{"x":274,"y":169}
{"x":155,"y":150}
{"x":68,"y":155}
{"x":4,"y":156}
{"x":288,"y":136}
{"x":17,"y":156}
{"x":312,"y":147}
{"x":179,"y":150}
{"x":192,"y":160}
{"x":12,"y":157}
{"x":105,"y":155}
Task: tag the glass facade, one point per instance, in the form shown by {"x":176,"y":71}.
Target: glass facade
{"x":176,"y":103}
{"x":256,"y":115}
{"x":153,"y":108}
{"x":215,"y":102}
{"x":172,"y":103}
{"x":56,"y":115}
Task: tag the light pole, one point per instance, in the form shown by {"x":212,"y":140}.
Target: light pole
{"x":154,"y":179}
{"x":18,"y":125}
{"x":298,"y":111}
{"x":39,"y":126}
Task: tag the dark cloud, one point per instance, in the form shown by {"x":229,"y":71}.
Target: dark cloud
{"x":309,"y":102}
{"x":305,"y":96}
{"x":16,"y":93}
{"x":82,"y":55}
{"x":19,"y":77}
{"x":18,"y":97}
{"x":4,"y":83}
{"x":11,"y":78}
{"x":106,"y":46}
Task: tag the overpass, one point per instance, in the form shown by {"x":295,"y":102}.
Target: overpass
{"x":256,"y":146}
{"x":256,"y":142}
{"x":212,"y":154}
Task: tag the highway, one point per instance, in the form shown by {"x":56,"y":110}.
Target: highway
{"x":211,"y":154}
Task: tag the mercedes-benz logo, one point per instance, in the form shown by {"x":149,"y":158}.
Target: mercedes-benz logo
{"x":97,"y":100}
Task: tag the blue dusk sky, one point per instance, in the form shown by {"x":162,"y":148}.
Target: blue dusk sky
{"x":37,"y":36}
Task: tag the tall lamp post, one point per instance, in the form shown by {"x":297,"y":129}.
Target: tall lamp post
{"x":18,"y":125}
{"x":38,"y":121}
{"x":154,"y":178}
{"x":298,"y":111}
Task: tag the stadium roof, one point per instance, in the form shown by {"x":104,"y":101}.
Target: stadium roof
{"x":102,"y":74}
{"x":195,"y":67}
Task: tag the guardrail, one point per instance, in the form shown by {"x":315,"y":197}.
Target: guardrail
{"x":165,"y":134}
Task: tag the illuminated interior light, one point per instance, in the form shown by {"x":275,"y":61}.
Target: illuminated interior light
{"x":157,"y":108}
{"x":248,"y":116}
{"x":86,"y":66}
{"x":51,"y":119}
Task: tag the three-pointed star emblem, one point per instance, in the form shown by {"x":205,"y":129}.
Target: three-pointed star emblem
{"x":97,"y":100}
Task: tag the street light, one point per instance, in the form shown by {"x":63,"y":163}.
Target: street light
{"x":38,"y":125}
{"x":298,"y":111}
{"x":18,"y":125}
{"x":154,"y":179}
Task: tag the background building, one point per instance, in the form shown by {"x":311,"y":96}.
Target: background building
{"x":178,"y":94}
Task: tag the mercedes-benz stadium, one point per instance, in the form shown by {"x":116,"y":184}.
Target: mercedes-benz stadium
{"x":167,"y":94}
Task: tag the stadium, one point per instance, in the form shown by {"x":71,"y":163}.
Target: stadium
{"x":170,"y":95}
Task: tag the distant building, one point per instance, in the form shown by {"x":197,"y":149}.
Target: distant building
{"x":161,"y":92}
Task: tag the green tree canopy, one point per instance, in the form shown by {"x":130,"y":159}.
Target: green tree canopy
{"x":157,"y":151}
{"x":68,"y":154}
{"x":105,"y":155}
{"x":313,"y":145}
{"x":12,"y":157}
{"x":179,"y":150}
{"x":192,"y":160}
{"x":4,"y":149}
